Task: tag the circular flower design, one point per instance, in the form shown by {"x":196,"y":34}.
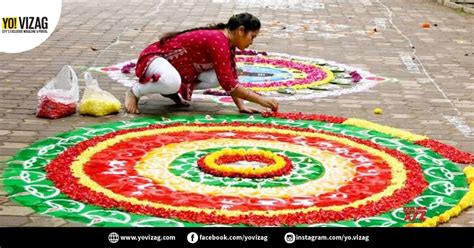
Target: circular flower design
{"x":261,"y":73}
{"x":305,"y":169}
{"x":235,"y":163}
{"x":174,"y":172}
{"x":282,"y":76}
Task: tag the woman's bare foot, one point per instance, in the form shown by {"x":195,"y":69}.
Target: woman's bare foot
{"x":131,"y":102}
{"x":177,"y":100}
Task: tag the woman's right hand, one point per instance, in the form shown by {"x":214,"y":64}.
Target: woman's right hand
{"x":270,"y":103}
{"x":248,"y":95}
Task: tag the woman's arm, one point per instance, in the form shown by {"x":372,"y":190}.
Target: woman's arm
{"x":224,"y":65}
{"x":243,"y":108}
{"x":238,"y":102}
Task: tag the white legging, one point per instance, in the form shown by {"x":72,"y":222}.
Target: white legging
{"x":170,"y":80}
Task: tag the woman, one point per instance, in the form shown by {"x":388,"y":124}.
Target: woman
{"x":198,"y":58}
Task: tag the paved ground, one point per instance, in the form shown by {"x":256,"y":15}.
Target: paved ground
{"x":101,"y":33}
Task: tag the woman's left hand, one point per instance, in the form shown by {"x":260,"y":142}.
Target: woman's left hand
{"x":249,"y":110}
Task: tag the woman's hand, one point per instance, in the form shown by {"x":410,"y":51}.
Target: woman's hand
{"x":269,"y":103}
{"x":245,"y":94}
{"x":249,"y":110}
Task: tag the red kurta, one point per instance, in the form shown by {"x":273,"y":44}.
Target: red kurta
{"x":192,"y":53}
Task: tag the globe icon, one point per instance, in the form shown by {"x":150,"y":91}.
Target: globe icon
{"x":113,"y":238}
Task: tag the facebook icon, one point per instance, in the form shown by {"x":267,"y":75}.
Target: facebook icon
{"x":192,"y":237}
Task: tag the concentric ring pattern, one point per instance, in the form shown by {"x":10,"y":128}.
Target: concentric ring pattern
{"x":277,"y":170}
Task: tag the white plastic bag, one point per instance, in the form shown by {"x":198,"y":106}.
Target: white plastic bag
{"x":96,"y":101}
{"x":59,"y":97}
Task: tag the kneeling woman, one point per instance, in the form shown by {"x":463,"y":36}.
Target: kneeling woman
{"x":199,"y":58}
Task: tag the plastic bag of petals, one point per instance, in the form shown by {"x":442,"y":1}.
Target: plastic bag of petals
{"x":96,"y":101}
{"x":59,"y":97}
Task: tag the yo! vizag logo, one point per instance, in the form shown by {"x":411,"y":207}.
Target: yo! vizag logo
{"x":25,"y":24}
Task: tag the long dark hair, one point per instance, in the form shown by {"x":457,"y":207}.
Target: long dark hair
{"x":247,"y":20}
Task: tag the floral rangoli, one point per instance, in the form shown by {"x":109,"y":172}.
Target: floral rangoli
{"x":281,"y":76}
{"x":283,"y":169}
